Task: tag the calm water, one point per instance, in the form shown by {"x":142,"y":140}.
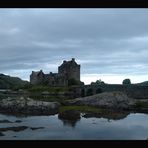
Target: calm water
{"x":134,"y":126}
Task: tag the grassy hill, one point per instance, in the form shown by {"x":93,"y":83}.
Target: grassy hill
{"x":8,"y":82}
{"x":145,"y":83}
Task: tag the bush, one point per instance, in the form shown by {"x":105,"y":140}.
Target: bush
{"x":89,"y":92}
{"x":98,"y":82}
{"x":126,"y":82}
{"x":74,"y":82}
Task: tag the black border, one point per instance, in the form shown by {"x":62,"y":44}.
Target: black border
{"x":74,"y":143}
{"x":73,"y":4}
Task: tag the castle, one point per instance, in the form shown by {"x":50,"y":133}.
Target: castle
{"x":67,"y":71}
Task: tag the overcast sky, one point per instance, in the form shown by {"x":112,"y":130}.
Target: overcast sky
{"x":109,"y":44}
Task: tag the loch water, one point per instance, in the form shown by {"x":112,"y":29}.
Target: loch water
{"x":134,"y":126}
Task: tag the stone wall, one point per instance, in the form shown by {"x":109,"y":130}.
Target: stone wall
{"x":66,"y":71}
{"x":36,"y":77}
{"x":133,"y":91}
{"x":70,"y":69}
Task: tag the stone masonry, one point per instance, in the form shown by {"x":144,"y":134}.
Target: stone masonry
{"x":66,"y":71}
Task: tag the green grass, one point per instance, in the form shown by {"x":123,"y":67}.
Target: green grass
{"x":84,"y":109}
{"x":98,"y":112}
{"x":35,"y":92}
{"x":141,"y":104}
{"x":41,"y":88}
{"x":39,"y":97}
{"x":2,"y":96}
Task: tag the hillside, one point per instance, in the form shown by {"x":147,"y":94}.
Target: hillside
{"x":8,"y":82}
{"x":145,"y":83}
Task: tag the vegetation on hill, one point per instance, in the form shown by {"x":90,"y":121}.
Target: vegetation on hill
{"x":74,"y":82}
{"x":98,"y":82}
{"x":8,"y":82}
{"x":126,"y":82}
{"x":41,"y":88}
{"x":145,"y":83}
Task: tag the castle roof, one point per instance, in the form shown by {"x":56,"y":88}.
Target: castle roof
{"x":37,"y":72}
{"x":69,"y":63}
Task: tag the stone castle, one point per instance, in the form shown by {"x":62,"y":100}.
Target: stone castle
{"x":67,"y":71}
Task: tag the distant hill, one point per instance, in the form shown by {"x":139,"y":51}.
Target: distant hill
{"x":8,"y":82}
{"x":145,"y":83}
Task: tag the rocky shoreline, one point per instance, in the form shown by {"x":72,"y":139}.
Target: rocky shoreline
{"x":109,"y":100}
{"x":28,"y":106}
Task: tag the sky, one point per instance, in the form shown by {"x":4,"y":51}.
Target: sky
{"x":109,"y":44}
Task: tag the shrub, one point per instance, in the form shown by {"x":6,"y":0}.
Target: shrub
{"x":126,"y":82}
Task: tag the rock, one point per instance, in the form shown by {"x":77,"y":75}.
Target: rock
{"x":114,"y":100}
{"x":5,"y":121}
{"x":15,"y":129}
{"x":35,"y":128}
{"x":1,"y":134}
{"x":18,"y":121}
{"x":45,"y":93}
{"x":28,"y":106}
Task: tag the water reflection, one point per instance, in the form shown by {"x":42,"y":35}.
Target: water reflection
{"x":69,"y":117}
{"x":71,"y":123}
{"x":110,"y":116}
{"x":92,"y":127}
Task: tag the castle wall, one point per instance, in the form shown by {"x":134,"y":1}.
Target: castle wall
{"x":36,"y":79}
{"x":54,"y":79}
{"x":68,"y":70}
{"x":74,"y":73}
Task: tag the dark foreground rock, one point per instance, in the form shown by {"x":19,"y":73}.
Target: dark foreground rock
{"x":18,"y":121}
{"x":5,"y":121}
{"x":15,"y":129}
{"x":36,"y":128}
{"x":28,"y":106}
{"x":111,"y":100}
{"x":18,"y":129}
{"x":1,"y":134}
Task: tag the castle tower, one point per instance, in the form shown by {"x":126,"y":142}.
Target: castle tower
{"x":70,"y":69}
{"x":37,"y":77}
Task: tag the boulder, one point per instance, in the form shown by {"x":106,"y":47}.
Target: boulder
{"x":28,"y":106}
{"x":114,"y":100}
{"x":1,"y":134}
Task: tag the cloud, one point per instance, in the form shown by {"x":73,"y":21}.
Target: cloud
{"x":103,"y":41}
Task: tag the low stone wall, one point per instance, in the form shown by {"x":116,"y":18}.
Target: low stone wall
{"x":133,"y":91}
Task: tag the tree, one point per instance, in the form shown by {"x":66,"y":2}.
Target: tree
{"x":89,"y":92}
{"x":97,"y":82}
{"x":126,"y":82}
